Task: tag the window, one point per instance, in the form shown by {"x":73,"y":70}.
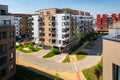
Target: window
{"x":52,"y":24}
{"x":11,"y":56}
{"x":2,"y":35}
{"x":12,"y":34}
{"x":48,"y":12}
{"x":65,"y":17}
{"x":3,"y":48}
{"x":65,"y":23}
{"x":59,"y":41}
{"x":63,"y":36}
{"x":41,"y":13}
{"x":7,"y":22}
{"x":11,"y":45}
{"x":116,"y":72}
{"x":11,"y":67}
{"x":53,"y":41}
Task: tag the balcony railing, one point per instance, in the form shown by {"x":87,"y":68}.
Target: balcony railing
{"x":3,"y":54}
{"x":3,"y":66}
{"x":3,"y":25}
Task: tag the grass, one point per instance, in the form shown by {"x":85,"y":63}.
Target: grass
{"x":66,"y":60}
{"x":50,"y":54}
{"x":90,"y":72}
{"x":23,"y":73}
{"x":53,"y":52}
{"x":30,"y":47}
{"x":81,"y":55}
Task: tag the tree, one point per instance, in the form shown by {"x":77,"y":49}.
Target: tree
{"x":98,"y":71}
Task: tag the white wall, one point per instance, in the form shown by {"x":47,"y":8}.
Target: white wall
{"x":59,"y":28}
{"x":17,"y":21}
{"x":35,"y":28}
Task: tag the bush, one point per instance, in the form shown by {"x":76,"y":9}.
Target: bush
{"x":21,"y":45}
{"x":55,"y":50}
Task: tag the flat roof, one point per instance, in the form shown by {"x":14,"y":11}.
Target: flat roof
{"x":112,"y":37}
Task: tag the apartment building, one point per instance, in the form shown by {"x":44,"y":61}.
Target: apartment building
{"x":60,"y":28}
{"x":111,"y":56}
{"x":23,"y":25}
{"x":104,"y":21}
{"x":7,"y":45}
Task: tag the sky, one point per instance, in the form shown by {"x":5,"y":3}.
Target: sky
{"x":93,"y":6}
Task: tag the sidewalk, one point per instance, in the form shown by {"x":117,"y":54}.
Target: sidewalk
{"x":79,"y":74}
{"x":63,"y":75}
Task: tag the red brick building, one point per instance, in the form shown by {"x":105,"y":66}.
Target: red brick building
{"x":103,"y":21}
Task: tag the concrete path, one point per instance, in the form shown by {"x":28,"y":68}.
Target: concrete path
{"x":40,"y":53}
{"x":89,"y":61}
{"x":58,"y":58}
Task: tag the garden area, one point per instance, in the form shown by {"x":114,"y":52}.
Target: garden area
{"x":67,"y":59}
{"x":81,"y":55}
{"x":27,"y":48}
{"x":22,"y":73}
{"x":53,"y":52}
{"x":94,"y":73}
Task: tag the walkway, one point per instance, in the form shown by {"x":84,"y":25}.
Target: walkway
{"x":79,"y":74}
{"x":58,"y":58}
{"x":89,"y":61}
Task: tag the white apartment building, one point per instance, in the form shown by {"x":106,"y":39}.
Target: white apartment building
{"x":17,"y":23}
{"x":59,"y":29}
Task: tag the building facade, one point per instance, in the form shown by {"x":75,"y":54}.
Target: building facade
{"x":60,"y":27}
{"x":7,"y":46}
{"x":111,"y":58}
{"x":23,"y":25}
{"x":104,"y":21}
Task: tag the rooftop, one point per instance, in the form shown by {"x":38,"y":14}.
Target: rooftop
{"x":113,"y":37}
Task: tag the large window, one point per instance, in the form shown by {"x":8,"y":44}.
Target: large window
{"x":11,"y":56}
{"x":11,"y":67}
{"x":12,"y":34}
{"x":7,"y":22}
{"x":65,"y":17}
{"x":3,"y":48}
{"x":11,"y":45}
{"x":65,"y":24}
{"x":116,"y":72}
{"x":2,"y":35}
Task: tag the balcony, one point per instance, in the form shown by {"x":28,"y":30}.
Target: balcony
{"x":52,"y":24}
{"x":3,"y":54}
{"x":3,"y":66}
{"x":40,"y":19}
{"x":3,"y":25}
{"x":52,"y":18}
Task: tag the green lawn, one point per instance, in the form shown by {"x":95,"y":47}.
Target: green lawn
{"x":90,"y":72}
{"x":66,"y":60}
{"x":81,"y":55}
{"x":31,"y":48}
{"x":53,"y":52}
{"x":23,"y":73}
{"x":50,"y":54}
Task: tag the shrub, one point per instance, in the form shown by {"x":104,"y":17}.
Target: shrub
{"x":55,"y":50}
{"x":21,"y":45}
